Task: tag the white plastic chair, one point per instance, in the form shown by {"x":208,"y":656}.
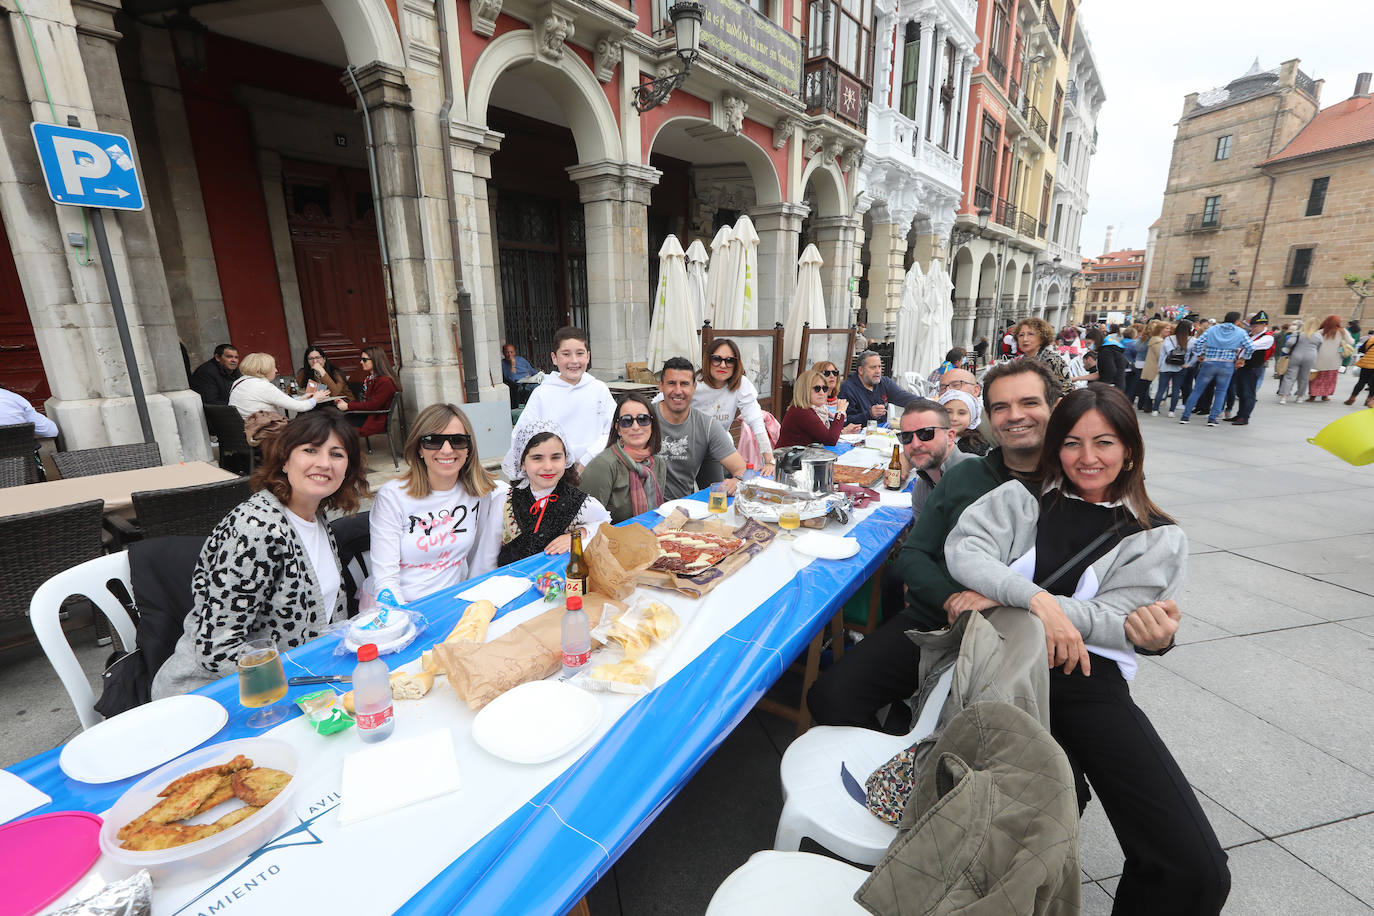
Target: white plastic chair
{"x":815,"y":802}
{"x":789,"y":884}
{"x":89,"y":580}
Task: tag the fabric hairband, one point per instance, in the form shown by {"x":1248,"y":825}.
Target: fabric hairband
{"x":975,"y":410}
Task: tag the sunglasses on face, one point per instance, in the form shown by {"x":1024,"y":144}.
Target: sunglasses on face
{"x":434,"y":441}
{"x":820,"y":387}
{"x":925,"y":434}
{"x":718,"y":360}
{"x":364,"y":359}
{"x":625,"y":421}
{"x":830,"y":372}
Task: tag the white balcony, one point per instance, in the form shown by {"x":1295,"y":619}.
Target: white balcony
{"x":895,"y":139}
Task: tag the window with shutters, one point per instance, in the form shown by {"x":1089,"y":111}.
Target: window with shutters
{"x":1299,"y":265}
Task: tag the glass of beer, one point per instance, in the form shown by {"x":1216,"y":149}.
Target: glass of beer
{"x":716,"y":500}
{"x":789,"y":520}
{"x":262,"y":682}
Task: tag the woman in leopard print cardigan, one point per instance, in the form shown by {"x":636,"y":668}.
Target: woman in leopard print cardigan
{"x":270,"y":568}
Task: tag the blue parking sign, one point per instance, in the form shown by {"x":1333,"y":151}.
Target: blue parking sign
{"x":87,"y":168}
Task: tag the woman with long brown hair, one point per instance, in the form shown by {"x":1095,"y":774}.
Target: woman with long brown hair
{"x":1335,"y":341}
{"x":434,"y":526}
{"x":724,"y":392}
{"x":380,"y":385}
{"x":1082,"y":547}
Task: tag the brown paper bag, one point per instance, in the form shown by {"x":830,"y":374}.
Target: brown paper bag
{"x":530,"y":652}
{"x":756,"y":537}
{"x":616,"y":556}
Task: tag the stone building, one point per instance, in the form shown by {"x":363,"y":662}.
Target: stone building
{"x":1113,"y":284}
{"x":910,"y":181}
{"x":1015,"y":123}
{"x":1212,"y":221}
{"x":431,"y":177}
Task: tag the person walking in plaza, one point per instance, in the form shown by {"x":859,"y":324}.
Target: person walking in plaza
{"x":1079,"y":546}
{"x":723,"y":392}
{"x":270,"y":569}
{"x":1335,"y":345}
{"x":1149,"y":371}
{"x":1035,"y":340}
{"x":1246,"y":381}
{"x":213,"y":378}
{"x":1303,"y":346}
{"x":254,"y":391}
{"x":1173,"y":357}
{"x":579,"y":402}
{"x":868,"y":391}
{"x":809,"y":418}
{"x":627,"y":475}
{"x":1218,"y":351}
{"x":435,"y":525}
{"x":380,"y":387}
{"x":1365,"y":364}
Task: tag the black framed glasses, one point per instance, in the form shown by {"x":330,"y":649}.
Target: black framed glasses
{"x":820,"y":387}
{"x":718,"y":360}
{"x":925,"y":434}
{"x":830,"y":372}
{"x":434,"y":441}
{"x":625,"y":421}
{"x":957,"y":383}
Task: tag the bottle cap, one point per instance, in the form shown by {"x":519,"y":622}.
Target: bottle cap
{"x":749,"y":466}
{"x":575,"y":603}
{"x":367,"y":652}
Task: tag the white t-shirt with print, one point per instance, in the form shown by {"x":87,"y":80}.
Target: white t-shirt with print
{"x":420,"y":546}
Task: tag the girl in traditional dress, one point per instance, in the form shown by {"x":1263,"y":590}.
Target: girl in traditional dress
{"x":543,"y":503}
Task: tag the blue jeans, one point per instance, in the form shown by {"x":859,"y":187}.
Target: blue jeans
{"x":1170,"y":383}
{"x":1218,"y":371}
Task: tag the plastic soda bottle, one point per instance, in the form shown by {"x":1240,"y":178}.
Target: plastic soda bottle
{"x":749,"y":472}
{"x":372,"y":695}
{"x":577,"y":637}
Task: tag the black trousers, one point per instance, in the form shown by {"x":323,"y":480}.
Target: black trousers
{"x":1366,"y":379}
{"x":882,"y":669}
{"x":1174,"y":864}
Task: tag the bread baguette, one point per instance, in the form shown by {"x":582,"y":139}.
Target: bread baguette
{"x":472,"y":626}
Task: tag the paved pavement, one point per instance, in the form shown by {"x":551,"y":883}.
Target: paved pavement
{"x":1268,"y":702}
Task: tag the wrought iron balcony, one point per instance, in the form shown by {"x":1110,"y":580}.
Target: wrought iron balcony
{"x":1041,"y":228}
{"x":1051,"y":24}
{"x":997,"y":69}
{"x":982,"y":197}
{"x":1206,"y":221}
{"x":830,"y":90}
{"x":1025,"y":224}
{"x":1005,"y":214}
{"x":1193,"y":282}
{"x":1036,"y":120}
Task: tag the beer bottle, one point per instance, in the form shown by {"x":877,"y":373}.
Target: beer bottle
{"x":894,"y":469}
{"x":578,"y":569}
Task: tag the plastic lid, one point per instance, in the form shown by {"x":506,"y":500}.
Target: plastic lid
{"x":575,"y":603}
{"x":749,"y":466}
{"x":367,"y":652}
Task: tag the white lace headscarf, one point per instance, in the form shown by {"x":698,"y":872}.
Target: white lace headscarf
{"x":975,"y":410}
{"x":523,"y":433}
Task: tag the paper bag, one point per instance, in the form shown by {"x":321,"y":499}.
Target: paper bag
{"x":756,"y":537}
{"x":616,"y":556}
{"x":532,"y":651}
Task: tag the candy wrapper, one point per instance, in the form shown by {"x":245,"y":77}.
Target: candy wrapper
{"x":324,"y":712}
{"x":551,"y":586}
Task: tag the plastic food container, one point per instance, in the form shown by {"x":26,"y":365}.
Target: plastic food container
{"x":224,"y":849}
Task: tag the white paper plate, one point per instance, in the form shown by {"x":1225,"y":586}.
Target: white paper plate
{"x":694,"y":508}
{"x":536,"y":722}
{"x":826,"y":546}
{"x":142,"y":738}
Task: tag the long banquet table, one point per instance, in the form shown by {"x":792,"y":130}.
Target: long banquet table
{"x":517,"y":839}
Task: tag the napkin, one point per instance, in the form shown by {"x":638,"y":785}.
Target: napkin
{"x":397,"y":773}
{"x":18,"y":797}
{"x":898,"y":500}
{"x":864,"y":458}
{"x":499,"y":590}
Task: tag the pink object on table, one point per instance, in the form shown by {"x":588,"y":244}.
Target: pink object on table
{"x":46,"y":855}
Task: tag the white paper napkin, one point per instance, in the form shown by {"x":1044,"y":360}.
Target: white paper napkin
{"x":499,"y":590}
{"x":898,"y":500}
{"x":864,"y":458}
{"x":17,"y":797}
{"x":397,"y":773}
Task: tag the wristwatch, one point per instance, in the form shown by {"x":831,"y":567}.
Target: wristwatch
{"x":1164,"y":651}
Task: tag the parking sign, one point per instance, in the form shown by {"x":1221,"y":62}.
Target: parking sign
{"x":87,"y":168}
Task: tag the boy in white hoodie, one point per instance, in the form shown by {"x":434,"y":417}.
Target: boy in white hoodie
{"x":578,"y":402}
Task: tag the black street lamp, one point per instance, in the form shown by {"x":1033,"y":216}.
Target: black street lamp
{"x":686,"y":16}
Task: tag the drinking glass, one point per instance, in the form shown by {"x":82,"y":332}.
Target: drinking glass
{"x":716,"y":501}
{"x":789,"y":519}
{"x":262,"y":682}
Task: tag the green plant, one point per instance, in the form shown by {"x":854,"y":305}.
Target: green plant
{"x":1363,"y":288}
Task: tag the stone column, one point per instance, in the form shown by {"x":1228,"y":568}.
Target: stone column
{"x":886,"y":271}
{"x":615,"y":204}
{"x":961,"y":94}
{"x":923,"y":79}
{"x":64,"y":288}
{"x":834,"y":237}
{"x":473,"y":146}
{"x":778,"y":226}
{"x":961,"y":330}
{"x":882,"y":73}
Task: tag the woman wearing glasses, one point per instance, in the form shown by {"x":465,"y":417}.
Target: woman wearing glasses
{"x":379,"y":387}
{"x":724,"y":392}
{"x":809,"y":419}
{"x":626,"y":476}
{"x":435,"y":525}
{"x":318,"y":372}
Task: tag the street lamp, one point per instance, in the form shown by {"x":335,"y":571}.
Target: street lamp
{"x":686,"y":16}
{"x":188,"y":40}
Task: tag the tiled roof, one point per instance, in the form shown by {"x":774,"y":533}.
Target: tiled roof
{"x":1347,"y":123}
{"x":1120,"y":257}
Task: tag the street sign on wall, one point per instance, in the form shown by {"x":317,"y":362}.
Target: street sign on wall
{"x":87,"y":168}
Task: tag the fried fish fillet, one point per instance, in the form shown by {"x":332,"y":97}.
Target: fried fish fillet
{"x":152,"y":837}
{"x":259,"y":785}
{"x":224,"y":769}
{"x":181,"y":804}
{"x":233,"y":817}
{"x":222,"y":794}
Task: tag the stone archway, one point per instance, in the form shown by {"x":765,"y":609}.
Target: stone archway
{"x":368,"y":31}
{"x":965,"y":291}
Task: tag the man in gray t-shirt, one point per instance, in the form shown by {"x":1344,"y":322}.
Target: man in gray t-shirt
{"x":689,"y":437}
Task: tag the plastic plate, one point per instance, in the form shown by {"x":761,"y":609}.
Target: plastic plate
{"x":694,"y":508}
{"x":826,"y":546}
{"x":142,"y":738}
{"x":536,"y":722}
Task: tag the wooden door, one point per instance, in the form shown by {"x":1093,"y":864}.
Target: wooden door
{"x":338,"y":260}
{"x":21,"y":366}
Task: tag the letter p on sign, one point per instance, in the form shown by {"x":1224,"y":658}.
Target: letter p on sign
{"x":87,"y":168}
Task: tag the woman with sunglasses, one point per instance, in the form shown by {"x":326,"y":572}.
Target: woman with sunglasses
{"x":724,"y":392}
{"x":435,"y":525}
{"x":809,"y":419}
{"x":379,"y":387}
{"x":626,"y":476}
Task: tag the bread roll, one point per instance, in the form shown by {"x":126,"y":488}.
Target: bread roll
{"x":473,"y":624}
{"x":407,"y":686}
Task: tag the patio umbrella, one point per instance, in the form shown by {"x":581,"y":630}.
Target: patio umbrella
{"x":673,"y":328}
{"x":715,"y":273}
{"x":909,"y":324}
{"x":939,"y":315}
{"x":696,"y":278}
{"x":808,"y":305}
{"x":737,"y":307}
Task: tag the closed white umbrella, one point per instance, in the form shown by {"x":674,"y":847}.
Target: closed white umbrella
{"x":673,"y":329}
{"x":939,"y":291}
{"x":808,"y":305}
{"x":904,"y":353}
{"x":716,"y":272}
{"x":737,"y":309}
{"x":696,"y":278}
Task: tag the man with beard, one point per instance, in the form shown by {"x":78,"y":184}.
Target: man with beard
{"x":929,"y":445}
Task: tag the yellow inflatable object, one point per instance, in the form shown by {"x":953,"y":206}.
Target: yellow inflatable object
{"x":1350,"y":438}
